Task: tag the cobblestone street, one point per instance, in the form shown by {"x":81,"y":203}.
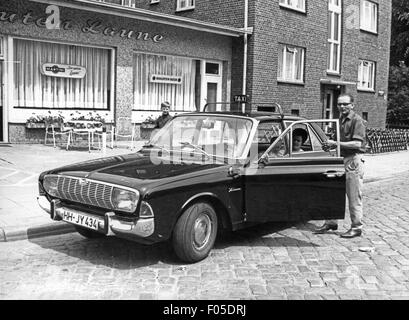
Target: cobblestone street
{"x":270,"y":261}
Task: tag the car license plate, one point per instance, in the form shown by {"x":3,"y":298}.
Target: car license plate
{"x":80,"y":219}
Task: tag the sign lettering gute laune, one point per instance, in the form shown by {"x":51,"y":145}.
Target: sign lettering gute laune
{"x":91,"y":26}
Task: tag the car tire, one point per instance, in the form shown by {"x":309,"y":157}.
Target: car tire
{"x":88,"y":233}
{"x":195,"y":232}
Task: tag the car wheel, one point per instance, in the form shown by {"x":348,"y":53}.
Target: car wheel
{"x":88,"y":233}
{"x":195,"y":232}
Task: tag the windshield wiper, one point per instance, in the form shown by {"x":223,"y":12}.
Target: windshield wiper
{"x":188,"y":144}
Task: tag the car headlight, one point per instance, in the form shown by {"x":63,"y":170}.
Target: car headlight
{"x":125,"y":200}
{"x":50,"y":186}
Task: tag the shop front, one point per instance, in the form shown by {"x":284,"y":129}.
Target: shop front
{"x":107,"y":64}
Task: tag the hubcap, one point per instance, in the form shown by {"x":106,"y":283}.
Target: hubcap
{"x":202,"y":231}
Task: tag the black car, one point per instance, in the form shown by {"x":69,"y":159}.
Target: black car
{"x":200,"y":174}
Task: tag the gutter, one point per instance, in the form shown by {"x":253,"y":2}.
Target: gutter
{"x":148,"y":15}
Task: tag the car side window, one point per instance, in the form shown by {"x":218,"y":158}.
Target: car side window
{"x":300,"y":140}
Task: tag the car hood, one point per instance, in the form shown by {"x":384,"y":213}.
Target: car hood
{"x":138,"y":169}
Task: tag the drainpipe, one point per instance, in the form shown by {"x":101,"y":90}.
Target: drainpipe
{"x":246,"y":8}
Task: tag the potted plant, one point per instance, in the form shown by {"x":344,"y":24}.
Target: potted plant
{"x":42,"y":121}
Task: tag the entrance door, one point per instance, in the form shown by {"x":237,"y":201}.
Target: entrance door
{"x":211,"y":84}
{"x":330,"y":103}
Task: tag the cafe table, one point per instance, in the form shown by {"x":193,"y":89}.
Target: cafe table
{"x":84,"y":128}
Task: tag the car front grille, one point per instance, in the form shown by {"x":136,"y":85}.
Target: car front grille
{"x":82,"y":191}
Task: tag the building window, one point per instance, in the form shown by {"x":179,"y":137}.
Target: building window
{"x":125,"y":3}
{"x":291,"y":63}
{"x":298,"y":5}
{"x":369,"y":16}
{"x":34,"y":88}
{"x":295,"y":112}
{"x":159,"y":78}
{"x":155,"y":1}
{"x":185,"y":5}
{"x":365,"y":116}
{"x":334,"y":35}
{"x":366,"y":75}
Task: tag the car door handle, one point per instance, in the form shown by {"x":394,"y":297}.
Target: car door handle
{"x":333,"y":174}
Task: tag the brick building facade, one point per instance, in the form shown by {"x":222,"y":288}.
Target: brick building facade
{"x":190,"y":52}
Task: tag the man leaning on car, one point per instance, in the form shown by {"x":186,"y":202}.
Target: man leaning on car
{"x":353,"y":145}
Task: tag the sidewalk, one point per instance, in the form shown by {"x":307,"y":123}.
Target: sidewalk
{"x":20,"y":165}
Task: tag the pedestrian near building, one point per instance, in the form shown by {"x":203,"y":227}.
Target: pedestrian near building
{"x":353,"y":145}
{"x":165,"y":117}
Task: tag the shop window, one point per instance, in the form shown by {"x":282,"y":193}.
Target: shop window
{"x":369,"y":16}
{"x":57,"y":88}
{"x":298,"y":5}
{"x":159,"y":78}
{"x":366,"y":75}
{"x":185,"y":5}
{"x":291,"y":63}
{"x":334,"y":35}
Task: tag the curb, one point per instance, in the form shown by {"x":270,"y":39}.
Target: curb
{"x":24,"y":233}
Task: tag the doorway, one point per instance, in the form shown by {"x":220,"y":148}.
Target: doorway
{"x":211,"y":85}
{"x":330,"y":109}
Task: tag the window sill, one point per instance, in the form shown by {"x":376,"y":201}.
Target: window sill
{"x":333,"y":73}
{"x":365,"y":90}
{"x":283,"y":6}
{"x":299,"y":83}
{"x":184,"y":9}
{"x":375,"y":33}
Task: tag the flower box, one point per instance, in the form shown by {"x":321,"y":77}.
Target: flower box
{"x":35,"y":125}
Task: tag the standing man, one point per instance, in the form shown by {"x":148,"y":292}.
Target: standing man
{"x":353,"y":145}
{"x":165,"y":117}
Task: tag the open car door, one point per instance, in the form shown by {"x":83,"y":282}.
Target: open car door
{"x":286,"y":184}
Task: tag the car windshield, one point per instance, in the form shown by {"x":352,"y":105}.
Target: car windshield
{"x":210,"y":135}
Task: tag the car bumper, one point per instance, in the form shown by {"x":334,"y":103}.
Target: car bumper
{"x":110,"y":224}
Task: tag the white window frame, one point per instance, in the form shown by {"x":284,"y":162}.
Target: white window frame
{"x":182,"y":5}
{"x":291,"y":78}
{"x":154,"y":1}
{"x":2,"y":47}
{"x":364,"y":73}
{"x":334,"y":9}
{"x":365,"y":20}
{"x":292,"y":5}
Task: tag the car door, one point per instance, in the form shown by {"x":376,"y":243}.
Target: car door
{"x":288,"y":186}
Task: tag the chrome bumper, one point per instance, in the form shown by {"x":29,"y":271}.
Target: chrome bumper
{"x":110,"y":224}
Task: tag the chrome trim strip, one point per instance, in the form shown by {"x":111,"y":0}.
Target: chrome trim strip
{"x":96,"y":181}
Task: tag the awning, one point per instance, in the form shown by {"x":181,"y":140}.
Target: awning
{"x":147,"y":15}
{"x":336,"y":82}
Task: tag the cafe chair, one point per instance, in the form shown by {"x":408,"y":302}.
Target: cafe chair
{"x":124,"y":131}
{"x":51,"y":130}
